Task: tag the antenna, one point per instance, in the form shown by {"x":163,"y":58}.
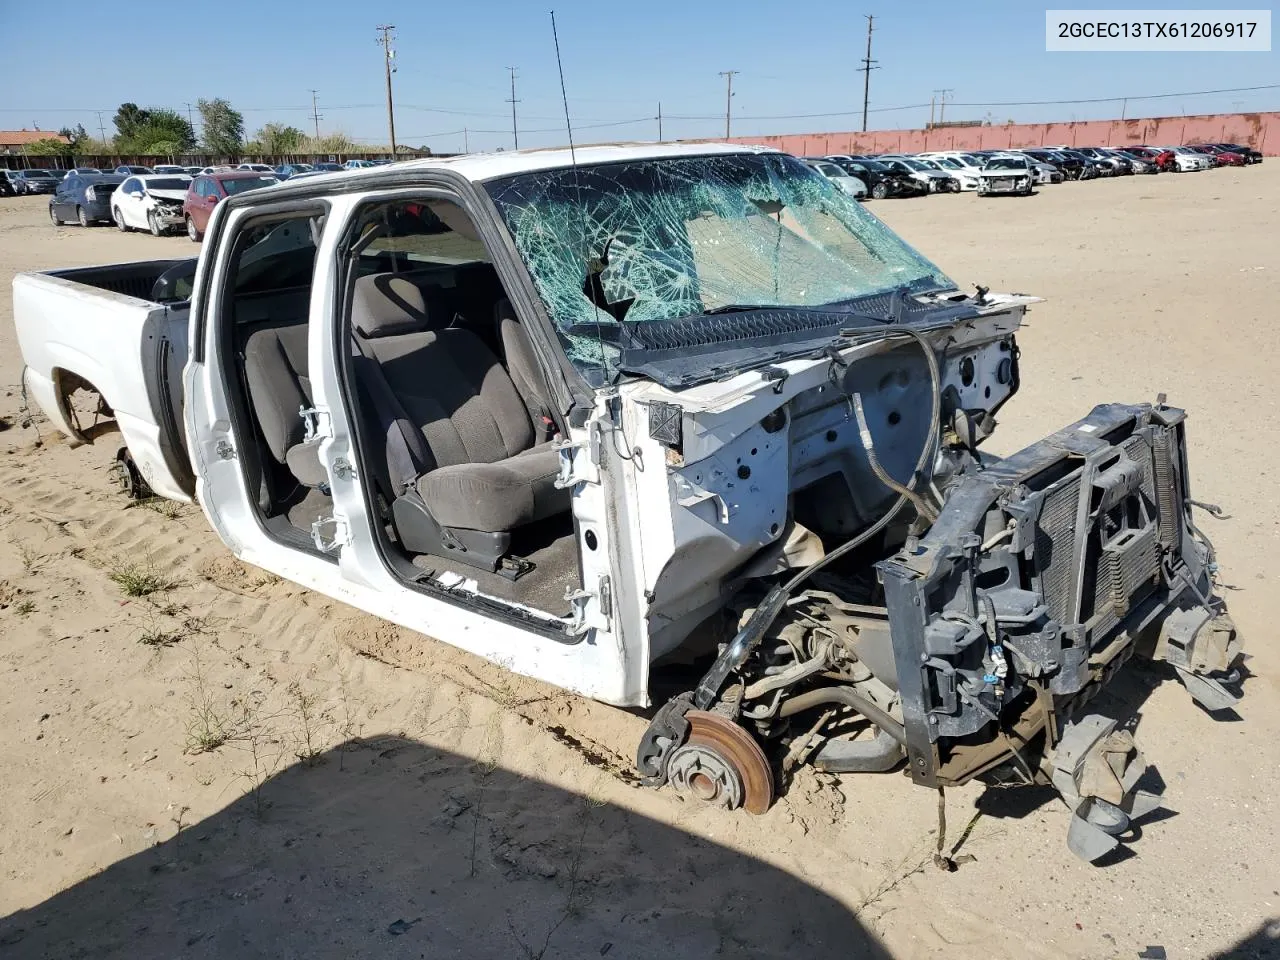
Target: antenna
{"x":573,"y":159}
{"x":595,"y":265}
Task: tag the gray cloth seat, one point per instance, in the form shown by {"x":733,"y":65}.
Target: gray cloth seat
{"x":477,"y":460}
{"x":275,"y":368}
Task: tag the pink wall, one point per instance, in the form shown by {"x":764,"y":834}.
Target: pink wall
{"x":1258,"y":130}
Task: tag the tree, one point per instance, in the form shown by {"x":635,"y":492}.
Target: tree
{"x":276,"y":139}
{"x":223,"y":127}
{"x":165,"y":133}
{"x":48,"y":147}
{"x":77,"y":136}
{"x":129,"y":117}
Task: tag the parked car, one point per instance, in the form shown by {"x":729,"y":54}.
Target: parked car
{"x":256,"y":167}
{"x":288,"y":170}
{"x":1010,"y":174}
{"x":428,"y":479}
{"x":880,"y":180}
{"x":150,"y":203}
{"x":327,"y":166}
{"x":1250,"y":154}
{"x":1220,"y":157}
{"x":131,"y":170}
{"x":208,"y":190}
{"x":1073,"y":168}
{"x":170,"y":169}
{"x":1045,"y":172}
{"x":1191,"y":161}
{"x":75,"y":170}
{"x":838,"y":175}
{"x":1139,"y":163}
{"x":36,"y":181}
{"x":84,"y":198}
{"x":1164,"y":158}
{"x":966,"y":175}
{"x":358,"y":164}
{"x":191,"y":171}
{"x":8,"y":183}
{"x":1117,"y":165}
{"x":934,"y":181}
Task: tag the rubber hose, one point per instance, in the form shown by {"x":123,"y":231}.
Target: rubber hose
{"x":848,"y":698}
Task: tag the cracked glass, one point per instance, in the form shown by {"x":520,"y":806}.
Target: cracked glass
{"x":676,"y":237}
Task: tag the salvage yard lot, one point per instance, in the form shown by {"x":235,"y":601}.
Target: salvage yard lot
{"x":380,"y":794}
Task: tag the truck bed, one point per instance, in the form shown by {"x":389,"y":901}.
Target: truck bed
{"x":95,"y":327}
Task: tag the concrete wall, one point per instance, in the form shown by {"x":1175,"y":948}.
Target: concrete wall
{"x":1258,"y":130}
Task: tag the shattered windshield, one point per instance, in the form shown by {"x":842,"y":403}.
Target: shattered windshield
{"x":680,"y":237}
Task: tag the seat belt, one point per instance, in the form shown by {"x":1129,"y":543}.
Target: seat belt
{"x":408,"y":456}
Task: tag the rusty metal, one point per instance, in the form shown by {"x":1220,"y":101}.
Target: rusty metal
{"x":739,"y":751}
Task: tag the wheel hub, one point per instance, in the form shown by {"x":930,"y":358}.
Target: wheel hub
{"x":720,"y":763}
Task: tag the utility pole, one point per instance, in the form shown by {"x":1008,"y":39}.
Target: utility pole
{"x":102,"y":130}
{"x":942,"y":103}
{"x":866,"y":69}
{"x":389,"y":55}
{"x":315,"y":113}
{"x":728,"y":99}
{"x":515,"y":132}
{"x":466,"y":141}
{"x":932,"y":103}
{"x":659,"y":121}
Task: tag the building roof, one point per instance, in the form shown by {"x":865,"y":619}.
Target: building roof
{"x":21,"y":138}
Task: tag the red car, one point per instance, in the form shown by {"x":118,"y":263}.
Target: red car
{"x":206,"y":191}
{"x":1162,"y":158}
{"x":1221,"y":157}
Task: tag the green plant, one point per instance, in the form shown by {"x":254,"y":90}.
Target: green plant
{"x":24,"y":607}
{"x":139,"y":578}
{"x":210,"y":723}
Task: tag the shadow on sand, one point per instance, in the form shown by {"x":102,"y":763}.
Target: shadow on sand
{"x":397,"y":849}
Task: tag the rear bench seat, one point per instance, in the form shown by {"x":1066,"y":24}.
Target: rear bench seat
{"x":464,"y":464}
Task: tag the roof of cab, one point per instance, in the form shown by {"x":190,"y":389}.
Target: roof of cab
{"x":479,"y":167}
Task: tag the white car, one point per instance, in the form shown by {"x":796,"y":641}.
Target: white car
{"x":842,"y":178}
{"x":256,"y":167}
{"x":1189,"y":160}
{"x":152,"y":202}
{"x":953,"y":166}
{"x":1007,"y":174}
{"x":358,"y":164}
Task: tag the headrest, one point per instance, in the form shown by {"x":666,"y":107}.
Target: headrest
{"x":384,"y":305}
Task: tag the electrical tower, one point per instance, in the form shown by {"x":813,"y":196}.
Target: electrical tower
{"x":867,"y":66}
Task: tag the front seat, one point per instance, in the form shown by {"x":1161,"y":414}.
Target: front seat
{"x":463,"y":466}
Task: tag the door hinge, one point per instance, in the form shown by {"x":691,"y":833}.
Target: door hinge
{"x":340,"y":534}
{"x":579,"y":601}
{"x":224,"y":450}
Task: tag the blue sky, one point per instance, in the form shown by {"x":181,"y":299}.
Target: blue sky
{"x":620,"y":60}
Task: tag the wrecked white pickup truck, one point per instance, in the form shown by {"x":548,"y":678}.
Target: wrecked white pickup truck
{"x":605,"y":418}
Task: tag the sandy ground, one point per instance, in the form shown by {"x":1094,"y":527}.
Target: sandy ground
{"x":380,"y":794}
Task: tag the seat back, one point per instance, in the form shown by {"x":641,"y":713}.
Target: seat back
{"x":449,"y":385}
{"x":523,"y":366}
{"x":275,"y":369}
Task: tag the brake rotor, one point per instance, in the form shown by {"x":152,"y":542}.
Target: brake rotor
{"x":721,"y":763}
